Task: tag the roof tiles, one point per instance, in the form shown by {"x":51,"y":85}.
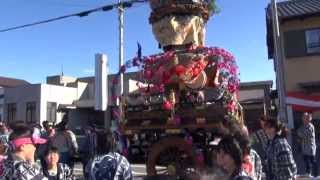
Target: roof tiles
{"x":297,"y":8}
{"x":288,"y":10}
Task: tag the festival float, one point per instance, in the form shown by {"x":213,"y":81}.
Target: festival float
{"x":185,"y":94}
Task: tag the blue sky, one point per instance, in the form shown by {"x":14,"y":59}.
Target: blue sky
{"x":39,"y":51}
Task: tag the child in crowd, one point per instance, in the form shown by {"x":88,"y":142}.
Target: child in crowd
{"x":53,"y":169}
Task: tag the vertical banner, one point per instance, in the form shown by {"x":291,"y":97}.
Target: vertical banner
{"x":101,"y":83}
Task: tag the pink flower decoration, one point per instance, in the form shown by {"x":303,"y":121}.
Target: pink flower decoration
{"x":233,"y":70}
{"x":232,"y":88}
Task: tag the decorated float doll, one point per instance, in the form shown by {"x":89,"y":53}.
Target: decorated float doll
{"x":187,"y":72}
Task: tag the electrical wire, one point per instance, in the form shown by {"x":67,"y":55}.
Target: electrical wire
{"x":126,"y":4}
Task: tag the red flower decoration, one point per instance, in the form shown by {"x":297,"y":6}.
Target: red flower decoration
{"x":167,"y":105}
{"x":179,"y":70}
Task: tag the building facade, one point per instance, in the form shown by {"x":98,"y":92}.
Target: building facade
{"x":256,"y":102}
{"x":6,"y":82}
{"x":299,"y":23}
{"x":35,"y":103}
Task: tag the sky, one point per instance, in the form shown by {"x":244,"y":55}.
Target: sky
{"x":33,"y":53}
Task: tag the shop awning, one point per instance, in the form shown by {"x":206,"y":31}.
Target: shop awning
{"x":303,"y":102}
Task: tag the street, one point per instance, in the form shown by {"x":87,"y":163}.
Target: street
{"x":139,"y":172}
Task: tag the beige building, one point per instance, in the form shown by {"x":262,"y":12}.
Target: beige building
{"x":299,"y":22}
{"x":256,"y":101}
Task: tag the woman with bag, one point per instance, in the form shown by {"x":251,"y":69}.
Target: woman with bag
{"x":66,"y":142}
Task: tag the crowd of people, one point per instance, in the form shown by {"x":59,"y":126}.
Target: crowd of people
{"x":48,"y":152}
{"x":33,"y":153}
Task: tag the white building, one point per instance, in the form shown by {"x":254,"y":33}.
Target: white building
{"x":37,"y":102}
{"x":80,"y":98}
{"x":6,"y":82}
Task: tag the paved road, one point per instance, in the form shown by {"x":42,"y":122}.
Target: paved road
{"x":139,"y":172}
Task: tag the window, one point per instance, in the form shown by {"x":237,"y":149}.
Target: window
{"x":313,"y":41}
{"x":300,"y":43}
{"x":295,"y":43}
{"x":12,"y":110}
{"x":31,"y":112}
{"x":51,"y":111}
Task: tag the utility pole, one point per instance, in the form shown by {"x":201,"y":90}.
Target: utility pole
{"x":278,"y":59}
{"x":121,"y":26}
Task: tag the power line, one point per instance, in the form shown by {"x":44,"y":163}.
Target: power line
{"x":110,"y":7}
